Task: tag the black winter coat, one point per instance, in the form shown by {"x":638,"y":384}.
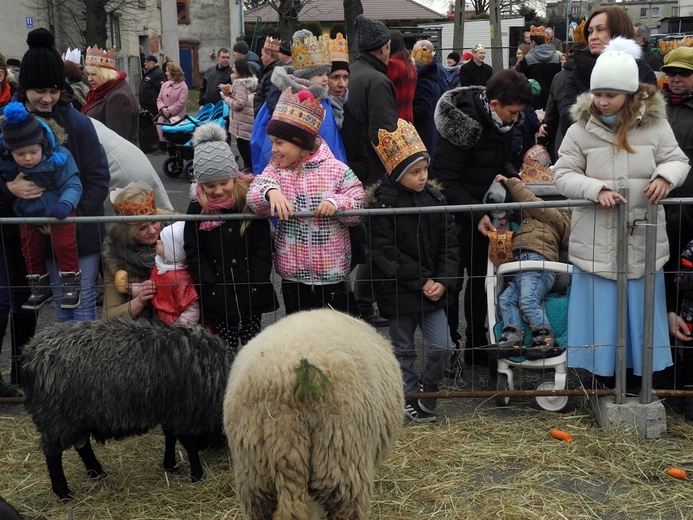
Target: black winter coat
{"x":471,"y":150}
{"x":209,"y":90}
{"x":150,"y":87}
{"x":429,"y":87}
{"x":408,"y":250}
{"x":231,"y":273}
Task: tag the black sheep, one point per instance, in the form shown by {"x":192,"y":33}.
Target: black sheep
{"x":116,"y":378}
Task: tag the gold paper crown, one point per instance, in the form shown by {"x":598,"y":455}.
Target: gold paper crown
{"x":422,"y":56}
{"x":306,"y":115}
{"x":100,"y":58}
{"x":537,"y":31}
{"x":338,"y":48}
{"x":579,"y":34}
{"x":311,"y":52}
{"x":478,"y":47}
{"x":395,"y":147}
{"x":272,"y":44}
{"x":129,"y":208}
{"x":535,"y":172}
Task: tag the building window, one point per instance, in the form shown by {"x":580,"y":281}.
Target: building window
{"x":643,"y":12}
{"x":655,"y":12}
{"x":115,"y":29}
{"x":183,"y":14}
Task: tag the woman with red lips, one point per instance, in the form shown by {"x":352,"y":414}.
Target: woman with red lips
{"x":603,"y":24}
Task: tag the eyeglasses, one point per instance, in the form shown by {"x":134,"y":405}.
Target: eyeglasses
{"x":684,"y":73}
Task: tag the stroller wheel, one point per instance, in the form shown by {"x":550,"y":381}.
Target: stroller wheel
{"x":550,"y":403}
{"x":502,"y":386}
{"x":189,"y":171}
{"x":173,"y":167}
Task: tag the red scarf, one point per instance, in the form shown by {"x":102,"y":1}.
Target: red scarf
{"x":5,"y":94}
{"x":97,"y":93}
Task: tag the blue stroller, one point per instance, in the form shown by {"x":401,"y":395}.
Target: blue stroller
{"x":179,"y":136}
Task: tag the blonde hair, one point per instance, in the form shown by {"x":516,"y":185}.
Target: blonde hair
{"x":125,"y":232}
{"x":239,"y":197}
{"x":100,"y":72}
{"x":626,"y":116}
{"x":176,"y":72}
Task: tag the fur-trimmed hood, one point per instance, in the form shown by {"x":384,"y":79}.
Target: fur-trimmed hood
{"x":652,"y":109}
{"x":59,"y":135}
{"x":282,"y":80}
{"x":452,"y":122}
{"x":370,"y":199}
{"x":249,"y":83}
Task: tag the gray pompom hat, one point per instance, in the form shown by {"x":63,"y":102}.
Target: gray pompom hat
{"x":214,"y":160}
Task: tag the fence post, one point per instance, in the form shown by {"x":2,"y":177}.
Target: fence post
{"x":621,"y":296}
{"x":649,"y":303}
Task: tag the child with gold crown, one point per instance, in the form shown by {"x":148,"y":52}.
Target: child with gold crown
{"x":312,"y":255}
{"x":415,"y":261}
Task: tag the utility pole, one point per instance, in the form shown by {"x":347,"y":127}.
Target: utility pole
{"x":496,"y":35}
{"x":458,"y":28}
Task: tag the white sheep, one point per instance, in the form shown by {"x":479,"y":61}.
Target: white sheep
{"x":313,"y":404}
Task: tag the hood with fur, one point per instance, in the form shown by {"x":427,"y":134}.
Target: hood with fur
{"x":452,"y":122}
{"x":652,"y":109}
{"x":249,"y":83}
{"x":282,"y":80}
{"x":369,"y":198}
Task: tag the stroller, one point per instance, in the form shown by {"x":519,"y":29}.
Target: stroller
{"x":556,"y":305}
{"x":179,"y":136}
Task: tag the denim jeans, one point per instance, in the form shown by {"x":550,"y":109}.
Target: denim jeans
{"x":89,"y":265}
{"x":434,"y":326}
{"x":524,"y":295}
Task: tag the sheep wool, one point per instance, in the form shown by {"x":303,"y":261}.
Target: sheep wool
{"x":116,"y":378}
{"x":314,"y":403}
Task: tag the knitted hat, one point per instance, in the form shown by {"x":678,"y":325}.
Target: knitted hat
{"x":616,"y":69}
{"x":370,"y":34}
{"x":679,"y":58}
{"x":151,"y":57}
{"x":213,"y":160}
{"x":42,"y":66}
{"x":454,"y":56}
{"x":20,"y":128}
{"x":400,"y":150}
{"x":311,"y":55}
{"x":285,"y":48}
{"x":172,"y":239}
{"x":241,"y":47}
{"x":297,"y":119}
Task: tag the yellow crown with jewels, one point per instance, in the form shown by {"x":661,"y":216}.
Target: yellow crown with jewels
{"x":422,"y":56}
{"x":310,"y":52}
{"x":301,"y":110}
{"x":338,"y":47}
{"x":395,"y":147}
{"x":272,"y":44}
{"x":537,"y":31}
{"x":129,"y":208}
{"x":104,"y":58}
{"x":579,"y":34}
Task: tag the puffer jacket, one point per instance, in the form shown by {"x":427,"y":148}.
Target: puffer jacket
{"x":240,"y":102}
{"x":408,"y":250}
{"x":311,"y":250}
{"x":587,"y":164}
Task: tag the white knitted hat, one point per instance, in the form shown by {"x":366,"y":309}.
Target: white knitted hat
{"x":172,"y":239}
{"x":616,"y":69}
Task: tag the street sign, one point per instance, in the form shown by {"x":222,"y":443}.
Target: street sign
{"x":29,"y":22}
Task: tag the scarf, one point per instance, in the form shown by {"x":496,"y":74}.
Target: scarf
{"x":500,"y":125}
{"x":96,"y":94}
{"x":5,"y":94}
{"x":608,"y":120}
{"x":338,"y":107}
{"x":215,"y":207}
{"x":138,"y":255}
{"x":676,"y":99}
{"x":162,"y":266}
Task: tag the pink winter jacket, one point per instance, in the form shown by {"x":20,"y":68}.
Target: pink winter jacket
{"x":174,"y":96}
{"x":314,"y":251}
{"x":240,"y":101}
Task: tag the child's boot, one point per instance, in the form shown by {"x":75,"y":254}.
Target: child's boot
{"x":41,"y":293}
{"x":543,"y":344}
{"x":510,"y":342}
{"x":72,"y":286}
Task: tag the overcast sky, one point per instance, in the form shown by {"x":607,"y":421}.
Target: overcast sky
{"x":439,"y":5}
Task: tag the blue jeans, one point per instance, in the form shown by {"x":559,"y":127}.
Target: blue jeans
{"x":89,"y":265}
{"x":436,"y":332}
{"x":524,"y":295}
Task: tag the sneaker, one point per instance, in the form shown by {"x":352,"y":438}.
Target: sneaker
{"x":510,"y":343}
{"x":543,"y":345}
{"x":40,"y":292}
{"x":428,"y":404}
{"x":415,"y":414}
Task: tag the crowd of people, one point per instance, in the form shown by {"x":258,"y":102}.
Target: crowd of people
{"x":394,"y":128}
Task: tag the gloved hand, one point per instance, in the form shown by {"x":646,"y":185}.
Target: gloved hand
{"x":61,"y":210}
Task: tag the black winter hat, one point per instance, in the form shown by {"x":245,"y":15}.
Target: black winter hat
{"x":285,"y":48}
{"x":42,"y":66}
{"x":241,"y":47}
{"x":370,"y":34}
{"x":20,"y":128}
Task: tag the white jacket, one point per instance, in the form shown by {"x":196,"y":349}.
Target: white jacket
{"x":587,"y":164}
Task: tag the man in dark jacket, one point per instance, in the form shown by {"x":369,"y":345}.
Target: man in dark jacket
{"x":429,"y":87}
{"x":219,"y":74}
{"x":642,"y":36}
{"x":241,"y":51}
{"x":270,"y":60}
{"x":543,"y":63}
{"x":474,"y":145}
{"x":153,"y":78}
{"x":475,"y":71}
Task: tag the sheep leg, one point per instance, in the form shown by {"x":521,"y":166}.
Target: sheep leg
{"x":170,"y":453}
{"x":86,"y":453}
{"x":192,"y":447}
{"x":57,"y":475}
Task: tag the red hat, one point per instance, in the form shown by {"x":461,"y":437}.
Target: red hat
{"x":467,"y":56}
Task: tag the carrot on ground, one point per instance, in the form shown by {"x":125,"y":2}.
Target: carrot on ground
{"x":677,"y":473}
{"x":561,"y":435}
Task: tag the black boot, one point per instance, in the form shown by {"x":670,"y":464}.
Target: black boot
{"x":72,"y":289}
{"x":40,"y":292}
{"x":22,"y":329}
